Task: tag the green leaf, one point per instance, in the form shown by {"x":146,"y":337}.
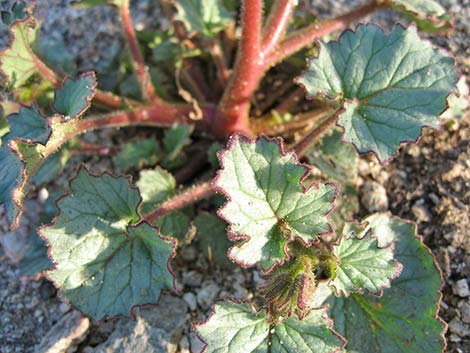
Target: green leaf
{"x":174,"y":140}
{"x":174,"y":225}
{"x":19,"y":11}
{"x":235,"y":328}
{"x":156,"y":186}
{"x":268,"y":204}
{"x":404,"y":319}
{"x":429,"y":15}
{"x":18,"y":62}
{"x":138,"y":154}
{"x":36,"y":259}
{"x":56,"y":56}
{"x":107,"y":261}
{"x":204,"y":17}
{"x":212,"y":234}
{"x":29,"y":125}
{"x":363,"y":265}
{"x":51,"y":167}
{"x":75,"y":96}
{"x":391,"y":86}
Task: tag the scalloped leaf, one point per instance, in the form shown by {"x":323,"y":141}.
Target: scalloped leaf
{"x":268,"y":204}
{"x":204,"y":17}
{"x":391,"y":86}
{"x":174,"y":140}
{"x":235,"y":328}
{"x":74,"y":98}
{"x":18,"y":62}
{"x":404,"y":319}
{"x":429,"y":15}
{"x":19,"y":11}
{"x":106,"y":260}
{"x":363,"y":265}
{"x":157,"y":186}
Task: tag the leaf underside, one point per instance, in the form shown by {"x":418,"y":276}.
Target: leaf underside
{"x":106,"y":262}
{"x":363,"y":265}
{"x":391,"y":86}
{"x":235,"y":328}
{"x":404,"y":319}
{"x":268,"y":205}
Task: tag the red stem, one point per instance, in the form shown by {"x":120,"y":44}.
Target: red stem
{"x":301,"y":38}
{"x":301,"y":147}
{"x":233,"y":110}
{"x":276,"y":24}
{"x":188,"y":197}
{"x":148,"y":91}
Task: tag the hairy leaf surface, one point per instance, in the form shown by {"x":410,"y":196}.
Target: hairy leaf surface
{"x":106,"y":262}
{"x":268,"y":205}
{"x":138,"y":154}
{"x":404,"y":319}
{"x":235,"y":328}
{"x":391,"y":86}
{"x":205,"y":17}
{"x":363,"y":265}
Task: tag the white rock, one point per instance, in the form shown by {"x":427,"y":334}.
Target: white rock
{"x":190,"y":299}
{"x":461,"y":288}
{"x":374,"y":197}
{"x":207,"y":294}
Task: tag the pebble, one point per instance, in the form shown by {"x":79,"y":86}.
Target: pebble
{"x":461,"y":288}
{"x":191,"y":300}
{"x":207,"y":294}
{"x":457,"y":327}
{"x":465,"y":311}
{"x":374,"y":197}
{"x":421,"y":212}
{"x":192,"y":278}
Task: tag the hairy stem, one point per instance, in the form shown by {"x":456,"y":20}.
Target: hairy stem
{"x":276,"y":24}
{"x":233,"y":110}
{"x":301,"y":147}
{"x":184,"y":199}
{"x":303,"y":37}
{"x":148,"y":91}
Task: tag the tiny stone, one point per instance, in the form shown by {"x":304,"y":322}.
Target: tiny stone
{"x":206,"y":295}
{"x":64,"y":307}
{"x":421,"y":212}
{"x":190,"y":299}
{"x":465,"y":312}
{"x":456,"y":326}
{"x":374,"y":197}
{"x":455,"y":338}
{"x":257,"y":278}
{"x":461,"y":288}
{"x":192,"y":278}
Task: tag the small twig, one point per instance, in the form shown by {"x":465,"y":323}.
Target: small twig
{"x":276,"y":24}
{"x":148,"y":91}
{"x":184,"y":199}
{"x":301,"y":147}
{"x":223,"y":73}
{"x":306,"y":36}
{"x":195,"y":164}
{"x":91,"y":148}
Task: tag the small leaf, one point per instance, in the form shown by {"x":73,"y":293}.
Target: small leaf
{"x":75,"y":96}
{"x":174,"y":140}
{"x":19,"y":11}
{"x":156,"y":186}
{"x":362,"y":265}
{"x":235,"y":328}
{"x":204,"y":17}
{"x":213,"y":237}
{"x":18,"y":62}
{"x":174,"y":225}
{"x":391,"y":86}
{"x":429,"y":15}
{"x":51,"y":167}
{"x":106,"y":262}
{"x":138,"y":154}
{"x":56,"y":56}
{"x":404,"y":319}
{"x":268,"y":204}
{"x":28,"y":125}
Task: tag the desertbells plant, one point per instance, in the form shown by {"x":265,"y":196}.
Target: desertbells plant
{"x":330,"y":284}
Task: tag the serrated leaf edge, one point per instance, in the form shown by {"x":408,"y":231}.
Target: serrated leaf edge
{"x":88,"y":99}
{"x":324,"y":309}
{"x":234,"y":237}
{"x":157,"y":229}
{"x":342,"y":109}
{"x":398,"y":265}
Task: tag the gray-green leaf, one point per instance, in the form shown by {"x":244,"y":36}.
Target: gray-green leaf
{"x":392,"y":85}
{"x":138,"y":154}
{"x":404,"y":319}
{"x":363,"y":265}
{"x":106,"y":262}
{"x":268,"y":204}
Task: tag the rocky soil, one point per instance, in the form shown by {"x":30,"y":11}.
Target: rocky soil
{"x":429,"y":183}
